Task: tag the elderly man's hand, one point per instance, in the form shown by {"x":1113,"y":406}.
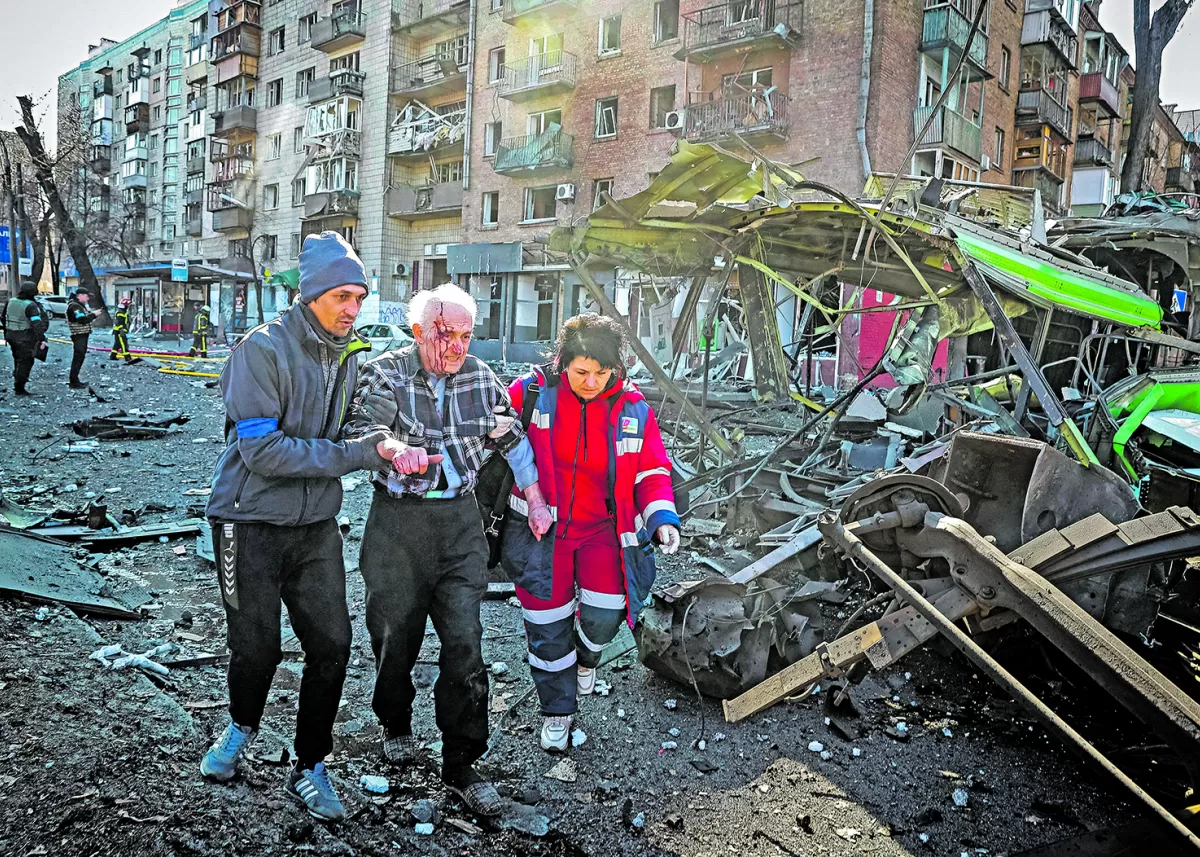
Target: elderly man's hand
{"x":504,"y":423}
{"x":414,"y":459}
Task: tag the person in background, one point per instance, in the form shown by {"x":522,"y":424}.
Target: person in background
{"x":424,"y":553}
{"x":275,"y":498}
{"x":25,"y":325}
{"x":581,"y":553}
{"x":200,"y":330}
{"x":120,"y":347}
{"x":79,"y":321}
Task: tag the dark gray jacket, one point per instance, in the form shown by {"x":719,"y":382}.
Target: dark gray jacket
{"x":283,"y":460}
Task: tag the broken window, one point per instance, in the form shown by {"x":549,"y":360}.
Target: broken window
{"x":606,"y":118}
{"x":755,"y":81}
{"x":491,"y":208}
{"x":601,"y":188}
{"x":540,"y":203}
{"x":488,"y":293}
{"x":610,"y":35}
{"x":666,"y":20}
{"x":450,"y":171}
{"x":275,"y":42}
{"x":538,"y":123}
{"x":491,"y":138}
{"x":454,"y":50}
{"x":662,"y":102}
{"x":496,"y":64}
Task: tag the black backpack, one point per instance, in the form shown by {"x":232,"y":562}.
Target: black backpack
{"x":495,"y":483}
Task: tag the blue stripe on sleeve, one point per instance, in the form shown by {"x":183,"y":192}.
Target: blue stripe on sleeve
{"x":257,"y":427}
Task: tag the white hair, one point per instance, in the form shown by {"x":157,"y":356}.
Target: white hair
{"x":426,"y":305}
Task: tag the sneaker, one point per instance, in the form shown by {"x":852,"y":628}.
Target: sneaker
{"x":220,"y":762}
{"x":77,"y":385}
{"x":556,"y":733}
{"x":400,"y":749}
{"x":313,"y":789}
{"x":585,"y":681}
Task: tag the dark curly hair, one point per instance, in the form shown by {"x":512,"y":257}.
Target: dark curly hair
{"x":591,"y":336}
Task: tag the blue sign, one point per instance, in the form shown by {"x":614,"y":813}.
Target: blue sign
{"x":5,"y":255}
{"x":179,"y":270}
{"x":1179,"y":304}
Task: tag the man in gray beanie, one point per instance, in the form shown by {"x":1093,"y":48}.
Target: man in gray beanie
{"x":275,"y":498}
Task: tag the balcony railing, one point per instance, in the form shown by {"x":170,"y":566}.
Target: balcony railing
{"x":950,"y":129}
{"x":342,"y":82}
{"x":1046,"y":182}
{"x":196,"y":103}
{"x":1092,"y":151}
{"x":427,"y":135}
{"x":1039,"y":107}
{"x":340,"y":30}
{"x":1042,"y":28}
{"x":515,"y":10}
{"x":336,"y":201}
{"x":236,"y":42}
{"x":747,"y":115}
{"x":1097,"y":89}
{"x":425,"y":18}
{"x":548,"y":150}
{"x":103,"y":86}
{"x":1057,"y":7}
{"x":195,"y":226}
{"x":195,"y":165}
{"x":240,"y":118}
{"x":712,"y":31}
{"x":430,"y":75}
{"x":946,"y":27}
{"x":411,"y":202}
{"x":134,"y":180}
{"x":540,"y":74}
{"x":135,"y":153}
{"x":1180,"y":178}
{"x":101,"y":159}
{"x":244,"y":12}
{"x":196,"y":72}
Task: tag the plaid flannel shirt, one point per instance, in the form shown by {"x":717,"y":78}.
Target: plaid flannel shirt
{"x":395,"y":394}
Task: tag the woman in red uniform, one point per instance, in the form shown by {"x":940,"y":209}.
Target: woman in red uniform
{"x":579,"y":545}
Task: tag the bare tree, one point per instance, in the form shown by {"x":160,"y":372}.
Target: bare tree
{"x":44,"y":169}
{"x":1150,"y":39}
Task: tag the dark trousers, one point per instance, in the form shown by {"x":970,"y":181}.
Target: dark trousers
{"x":302,"y":567}
{"x":79,"y":344}
{"x":199,"y":344}
{"x":120,"y":346}
{"x":428,"y":558}
{"x":22,"y":351}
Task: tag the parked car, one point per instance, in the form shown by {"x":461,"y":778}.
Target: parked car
{"x":386,"y":337}
{"x":56,"y":305}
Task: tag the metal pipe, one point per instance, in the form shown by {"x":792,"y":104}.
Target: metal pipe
{"x":864,"y":85}
{"x":833,"y":528}
{"x":469,"y":117}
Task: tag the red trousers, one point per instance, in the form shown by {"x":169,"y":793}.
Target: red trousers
{"x":583,"y":614}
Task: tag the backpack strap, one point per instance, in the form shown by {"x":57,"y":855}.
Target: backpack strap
{"x":527,"y":407}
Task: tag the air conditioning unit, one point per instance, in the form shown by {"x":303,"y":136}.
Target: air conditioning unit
{"x":565,"y":191}
{"x":401,"y":270}
{"x":675,"y":119}
{"x":985,"y":163}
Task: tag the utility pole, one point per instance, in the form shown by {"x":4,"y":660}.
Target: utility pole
{"x":10,"y":204}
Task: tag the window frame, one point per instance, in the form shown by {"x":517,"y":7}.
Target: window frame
{"x":602,"y":106}
{"x":489,"y":203}
{"x":529,"y":209}
{"x":603,"y":30}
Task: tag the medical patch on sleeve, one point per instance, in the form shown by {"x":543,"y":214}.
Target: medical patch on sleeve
{"x":629,"y":425}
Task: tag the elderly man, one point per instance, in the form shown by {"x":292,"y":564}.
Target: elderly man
{"x":424,"y":553}
{"x":275,"y":498}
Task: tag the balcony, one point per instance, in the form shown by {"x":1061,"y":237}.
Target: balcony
{"x":1180,"y":180}
{"x":1091,"y":152}
{"x":102,"y":132}
{"x":429,"y":77}
{"x":232,"y":219}
{"x":196,"y":103}
{"x":946,"y":28}
{"x":1095,"y":88}
{"x":538,"y":75}
{"x":194,"y":227}
{"x":101,"y":159}
{"x":137,"y":119}
{"x":343,"y":82}
{"x":516,"y":10}
{"x":345,"y":27}
{"x":423,"y":19}
{"x":1057,"y":8}
{"x":1042,"y":28}
{"x":1039,"y":107}
{"x":550,"y":150}
{"x":240,"y":41}
{"x":235,"y":14}
{"x":740,"y":25}
{"x":102,"y":87}
{"x":137,"y":180}
{"x":193,"y":196}
{"x":239,"y":118}
{"x":196,"y":72}
{"x":1048,"y":184}
{"x":241,"y":65}
{"x":949,"y":130}
{"x":429,"y":136}
{"x":340,"y":202}
{"x":134,"y":152}
{"x":232,"y":168}
{"x":753,"y":118}
{"x":417,"y":203}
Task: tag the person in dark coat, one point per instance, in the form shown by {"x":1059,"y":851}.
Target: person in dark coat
{"x":120,"y":346}
{"x":79,"y":321}
{"x":201,"y":326}
{"x":25,"y":327}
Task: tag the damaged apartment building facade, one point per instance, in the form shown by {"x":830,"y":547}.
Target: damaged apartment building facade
{"x":446,"y":138}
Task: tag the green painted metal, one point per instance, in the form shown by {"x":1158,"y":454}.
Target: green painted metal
{"x":1065,"y":288}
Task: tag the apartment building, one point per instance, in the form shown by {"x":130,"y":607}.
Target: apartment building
{"x":446,"y":138}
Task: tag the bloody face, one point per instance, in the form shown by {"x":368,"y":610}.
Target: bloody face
{"x":444,"y":339}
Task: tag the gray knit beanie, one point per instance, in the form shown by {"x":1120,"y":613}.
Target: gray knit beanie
{"x":326,"y":262}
